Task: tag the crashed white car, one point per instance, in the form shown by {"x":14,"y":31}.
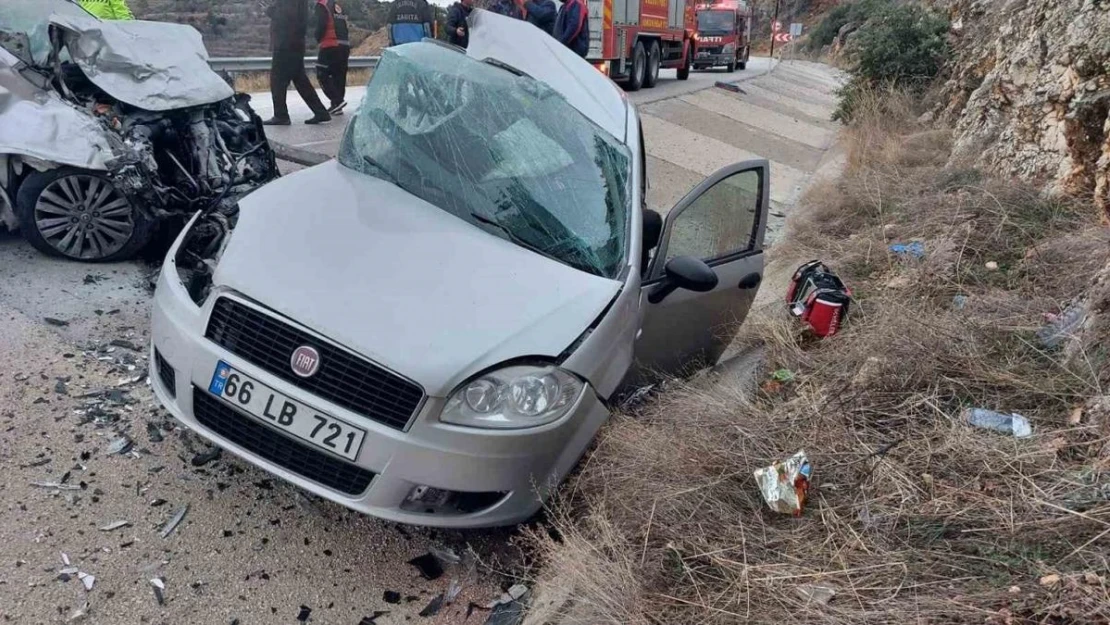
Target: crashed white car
{"x":109,"y":129}
{"x":431,"y":328}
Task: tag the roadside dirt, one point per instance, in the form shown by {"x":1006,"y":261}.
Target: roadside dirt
{"x":250,"y":549}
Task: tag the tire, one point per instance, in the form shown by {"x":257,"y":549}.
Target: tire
{"x":103,"y":224}
{"x":651,"y":74}
{"x":639,"y":68}
{"x":747,"y":56}
{"x":684,"y":71}
{"x":731,"y":67}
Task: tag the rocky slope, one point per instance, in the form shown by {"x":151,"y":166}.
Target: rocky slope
{"x":1029,"y":90}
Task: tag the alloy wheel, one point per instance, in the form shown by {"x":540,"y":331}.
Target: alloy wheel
{"x":84,"y":216}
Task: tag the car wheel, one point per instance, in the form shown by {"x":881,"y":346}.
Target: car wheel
{"x":80,"y":215}
{"x":684,"y":71}
{"x":639,"y":68}
{"x":652,"y":74}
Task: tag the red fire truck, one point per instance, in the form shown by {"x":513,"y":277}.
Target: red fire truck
{"x":724,"y":34}
{"x":630,"y":40}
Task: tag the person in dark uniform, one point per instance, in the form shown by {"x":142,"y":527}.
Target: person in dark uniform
{"x":409,"y":21}
{"x":458,"y":31}
{"x":334,"y":55}
{"x":288,"y":25}
{"x":572,"y":26}
{"x":508,"y":8}
{"x":541,"y":13}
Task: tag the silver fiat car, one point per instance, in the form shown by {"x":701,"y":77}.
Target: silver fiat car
{"x":431,"y":328}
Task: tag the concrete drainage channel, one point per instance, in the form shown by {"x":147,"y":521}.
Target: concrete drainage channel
{"x":249,"y":548}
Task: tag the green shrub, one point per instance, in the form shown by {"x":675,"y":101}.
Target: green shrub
{"x":849,"y":13}
{"x":902,"y":46}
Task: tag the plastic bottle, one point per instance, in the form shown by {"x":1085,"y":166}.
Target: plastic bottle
{"x":1014,"y":424}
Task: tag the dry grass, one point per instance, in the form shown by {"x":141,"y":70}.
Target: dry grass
{"x":260,"y":82}
{"x":915,"y":517}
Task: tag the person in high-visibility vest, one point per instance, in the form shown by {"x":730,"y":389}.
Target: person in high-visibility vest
{"x":108,"y":9}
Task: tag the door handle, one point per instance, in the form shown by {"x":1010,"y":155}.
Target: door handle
{"x":751,"y":281}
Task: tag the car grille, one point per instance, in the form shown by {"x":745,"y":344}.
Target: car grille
{"x":277,"y":448}
{"x":166,"y":374}
{"x":713,"y":50}
{"x":343,"y":378}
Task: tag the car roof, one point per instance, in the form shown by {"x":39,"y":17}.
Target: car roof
{"x":524,"y":47}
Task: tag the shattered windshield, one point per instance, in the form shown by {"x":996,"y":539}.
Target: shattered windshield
{"x":499,"y":150}
{"x":715,"y":22}
{"x":32,"y":18}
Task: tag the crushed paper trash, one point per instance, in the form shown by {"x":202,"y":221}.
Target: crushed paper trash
{"x":814,"y":593}
{"x":784,"y":484}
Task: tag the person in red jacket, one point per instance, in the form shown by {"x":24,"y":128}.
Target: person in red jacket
{"x":335,"y":53}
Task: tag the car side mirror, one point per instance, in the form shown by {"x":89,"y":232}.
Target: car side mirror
{"x":684,"y":272}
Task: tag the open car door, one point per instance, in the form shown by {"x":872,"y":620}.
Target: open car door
{"x":721,"y":222}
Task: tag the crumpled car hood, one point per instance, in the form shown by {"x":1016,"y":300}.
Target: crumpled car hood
{"x":154,"y":66}
{"x":413,"y":288}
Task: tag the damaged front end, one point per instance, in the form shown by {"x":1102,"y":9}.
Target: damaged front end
{"x":131,"y":103}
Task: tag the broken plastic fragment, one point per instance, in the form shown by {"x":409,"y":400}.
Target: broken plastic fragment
{"x":428,"y":565}
{"x":813,"y":593}
{"x":445,"y":555}
{"x":79,"y":614}
{"x":56,"y":485}
{"x":120,"y":446}
{"x":453,"y":590}
{"x":115,"y":525}
{"x":86,"y":579}
{"x":175,"y":521}
{"x":204,"y":458}
{"x":784,"y":484}
{"x":1014,"y":424}
{"x":433,"y":607}
{"x":391,"y":596}
{"x":302,"y":616}
{"x":373,"y":618}
{"x":159,"y":586}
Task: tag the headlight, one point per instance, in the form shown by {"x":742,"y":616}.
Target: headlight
{"x":729,"y":48}
{"x":513,"y":397}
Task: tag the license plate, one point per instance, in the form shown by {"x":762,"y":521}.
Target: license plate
{"x":286,"y":414}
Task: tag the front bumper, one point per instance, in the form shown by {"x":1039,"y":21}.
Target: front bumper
{"x":526,"y":465}
{"x":708,"y":60}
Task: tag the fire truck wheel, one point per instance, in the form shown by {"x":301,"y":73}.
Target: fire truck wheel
{"x":652,"y":73}
{"x":731,"y":67}
{"x":639,"y":68}
{"x":684,"y":71}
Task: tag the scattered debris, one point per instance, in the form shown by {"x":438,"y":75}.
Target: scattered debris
{"x":1076,"y":415}
{"x":60,"y":323}
{"x":959,"y":301}
{"x":121,"y":445}
{"x":37,"y":463}
{"x":453,"y":590}
{"x":373,"y":618}
{"x":515,"y":593}
{"x":154,"y":432}
{"x":79,"y":614}
{"x":56,"y":485}
{"x":727,"y":86}
{"x":302,"y":616}
{"x":991,"y":266}
{"x":511,"y":613}
{"x":1062,"y":326}
{"x":115,"y":525}
{"x":159,"y":586}
{"x":813,"y":593}
{"x":65,"y":559}
{"x":783,"y":375}
{"x":60,"y":387}
{"x":204,"y":458}
{"x":1013,"y":424}
{"x":86,"y":580}
{"x":636,"y":397}
{"x":428,"y":565}
{"x":1050,"y":580}
{"x":433,"y":607}
{"x":157,"y":502}
{"x":913,"y":249}
{"x":818,"y":297}
{"x":784,"y":484}
{"x":470,"y":607}
{"x":391,"y":596}
{"x":175,"y":521}
{"x":124,"y":343}
{"x":446,"y":554}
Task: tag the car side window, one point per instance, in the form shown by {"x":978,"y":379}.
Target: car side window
{"x":721,"y":222}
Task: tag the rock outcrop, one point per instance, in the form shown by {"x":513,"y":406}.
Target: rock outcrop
{"x":1029,"y":91}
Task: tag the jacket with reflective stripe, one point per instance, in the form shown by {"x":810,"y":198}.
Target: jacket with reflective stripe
{"x":108,"y":9}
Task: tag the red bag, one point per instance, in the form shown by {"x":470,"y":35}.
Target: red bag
{"x":818,"y":297}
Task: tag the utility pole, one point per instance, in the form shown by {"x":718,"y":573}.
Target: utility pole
{"x":774,"y":21}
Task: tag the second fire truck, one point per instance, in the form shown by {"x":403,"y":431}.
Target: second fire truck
{"x":724,"y":35}
{"x":631,"y":40}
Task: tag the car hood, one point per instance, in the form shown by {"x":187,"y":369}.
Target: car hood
{"x":409,"y":286}
{"x":154,"y":66}
{"x":517,"y":44}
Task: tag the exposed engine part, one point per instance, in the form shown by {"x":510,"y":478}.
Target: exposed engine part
{"x":201,"y":250}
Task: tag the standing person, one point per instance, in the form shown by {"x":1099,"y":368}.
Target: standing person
{"x":334,"y":54}
{"x":508,"y":8}
{"x":409,"y":20}
{"x":572,"y":27}
{"x":458,"y":31}
{"x":108,"y":9}
{"x":541,"y":13}
{"x":288,"y":25}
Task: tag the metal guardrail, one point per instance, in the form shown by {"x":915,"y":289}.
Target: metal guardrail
{"x":263,"y":63}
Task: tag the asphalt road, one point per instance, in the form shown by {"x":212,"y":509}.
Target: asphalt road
{"x":252,"y":549}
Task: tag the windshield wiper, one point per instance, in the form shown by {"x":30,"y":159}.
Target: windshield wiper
{"x":515,"y":238}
